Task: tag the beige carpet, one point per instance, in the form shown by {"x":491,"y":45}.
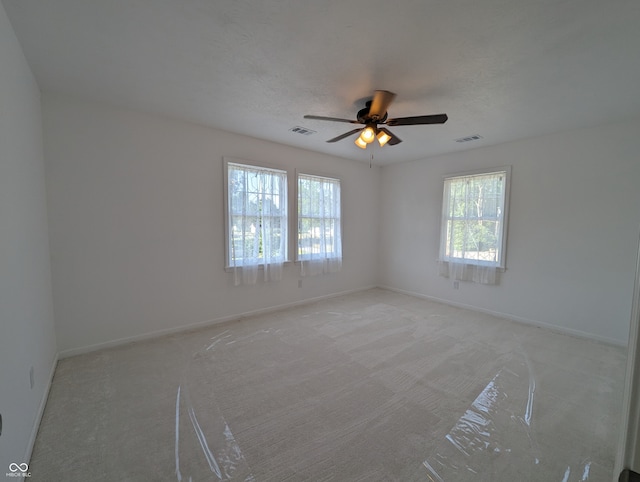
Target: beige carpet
{"x":367,"y":387}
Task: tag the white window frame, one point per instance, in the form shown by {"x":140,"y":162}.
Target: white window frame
{"x":260,"y":165}
{"x":502,"y":262}
{"x":296,"y":232}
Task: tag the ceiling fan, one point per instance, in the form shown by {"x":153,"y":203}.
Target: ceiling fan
{"x":374,"y":114}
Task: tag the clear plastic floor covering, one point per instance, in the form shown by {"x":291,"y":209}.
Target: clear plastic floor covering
{"x":373,"y":386}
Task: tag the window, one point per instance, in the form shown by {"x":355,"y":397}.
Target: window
{"x":256,"y":221}
{"x":319,"y":224}
{"x":473,"y":230}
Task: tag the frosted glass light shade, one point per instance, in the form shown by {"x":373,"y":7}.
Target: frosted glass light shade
{"x":383,"y":138}
{"x":360,"y":143}
{"x":368,"y":135}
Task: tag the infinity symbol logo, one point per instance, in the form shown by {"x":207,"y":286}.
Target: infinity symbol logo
{"x":13,"y":467}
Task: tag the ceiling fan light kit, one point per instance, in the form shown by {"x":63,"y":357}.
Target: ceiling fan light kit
{"x":375,"y":113}
{"x":368,"y":134}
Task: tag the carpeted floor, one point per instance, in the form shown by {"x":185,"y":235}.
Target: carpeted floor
{"x":374,"y":386}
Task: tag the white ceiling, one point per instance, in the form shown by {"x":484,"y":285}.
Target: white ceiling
{"x":503,"y":69}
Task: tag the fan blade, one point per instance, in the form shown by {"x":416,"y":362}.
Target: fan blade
{"x":380,"y":103}
{"x":394,"y":138}
{"x":334,"y":119}
{"x":418,"y":120}
{"x":346,"y":134}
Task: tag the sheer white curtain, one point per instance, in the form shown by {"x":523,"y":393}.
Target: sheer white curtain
{"x":471,"y":245}
{"x":319,"y":225}
{"x":469,"y":272}
{"x":257,"y":199}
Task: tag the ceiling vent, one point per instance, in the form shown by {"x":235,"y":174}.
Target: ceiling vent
{"x":474,"y":137}
{"x":302,"y":130}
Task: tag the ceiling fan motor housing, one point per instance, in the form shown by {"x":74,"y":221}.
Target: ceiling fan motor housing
{"x":364,"y":117}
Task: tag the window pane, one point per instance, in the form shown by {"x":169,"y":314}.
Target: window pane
{"x":257,"y":214}
{"x":319,"y":234}
{"x":473,"y":210}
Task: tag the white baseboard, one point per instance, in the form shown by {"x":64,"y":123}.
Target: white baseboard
{"x":510,"y":317}
{"x":43,"y":404}
{"x":202,"y":324}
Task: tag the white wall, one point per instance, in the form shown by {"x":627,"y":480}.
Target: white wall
{"x":136,"y":223}
{"x":573,"y":229}
{"x":27,"y":335}
{"x":136,"y":216}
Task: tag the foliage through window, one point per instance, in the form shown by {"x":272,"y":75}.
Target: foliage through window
{"x":319,"y":224}
{"x":257,"y":220}
{"x":474,"y":218}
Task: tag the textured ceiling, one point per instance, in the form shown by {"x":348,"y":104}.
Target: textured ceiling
{"x":503,"y":69}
